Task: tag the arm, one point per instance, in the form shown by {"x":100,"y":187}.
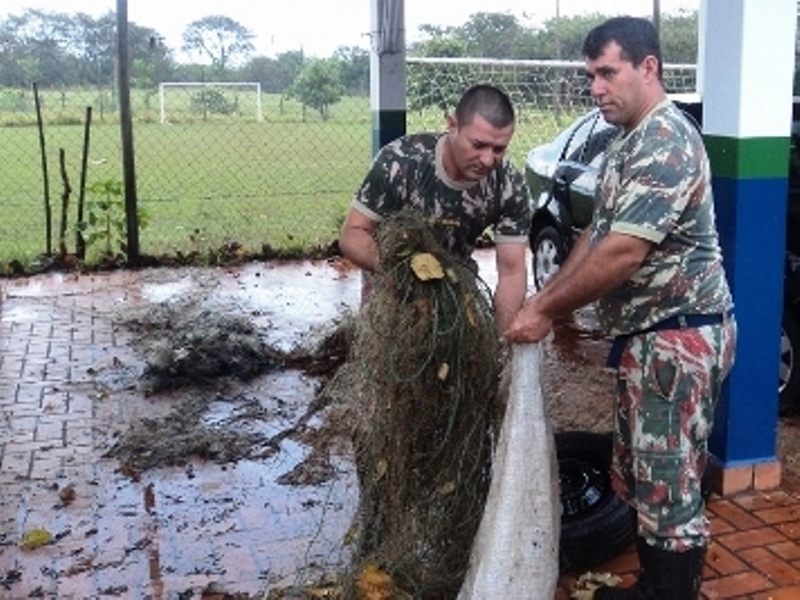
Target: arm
{"x":356,"y":240}
{"x":599,"y":270}
{"x":512,"y":282}
{"x":610,"y":263}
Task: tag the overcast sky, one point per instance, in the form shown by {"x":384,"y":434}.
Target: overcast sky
{"x":320,"y":26}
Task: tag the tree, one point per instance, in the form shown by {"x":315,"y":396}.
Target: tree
{"x":319,"y":85}
{"x":563,"y":37}
{"x":434,"y":31}
{"x":151,"y":61}
{"x":491,"y":35}
{"x":290,"y":64}
{"x":265,"y":71}
{"x":275,"y":75}
{"x":354,"y":68}
{"x":219,"y":39}
{"x":42,"y":47}
{"x":441,"y":47}
{"x":57,"y":49}
{"x":94,"y":42}
{"x":679,"y":37}
{"x":14,"y":66}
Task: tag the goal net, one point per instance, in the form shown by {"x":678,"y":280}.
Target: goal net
{"x":196,"y":100}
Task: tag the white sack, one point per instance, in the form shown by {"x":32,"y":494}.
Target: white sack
{"x":515,"y":552}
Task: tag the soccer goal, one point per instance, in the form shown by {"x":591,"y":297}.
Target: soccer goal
{"x":206,"y":100}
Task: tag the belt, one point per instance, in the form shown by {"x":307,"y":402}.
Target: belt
{"x":688,"y":322}
{"x":677,"y":322}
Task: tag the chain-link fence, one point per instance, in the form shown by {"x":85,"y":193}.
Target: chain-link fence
{"x":229,"y":169}
{"x":547,"y":94}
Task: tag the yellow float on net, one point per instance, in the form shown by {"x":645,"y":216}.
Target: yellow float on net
{"x":426,"y":266}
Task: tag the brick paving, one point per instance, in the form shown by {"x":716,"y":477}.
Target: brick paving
{"x":755,"y":550}
{"x":67,"y":388}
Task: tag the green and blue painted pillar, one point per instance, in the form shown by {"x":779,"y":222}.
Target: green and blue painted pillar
{"x":745,"y":73}
{"x":387,"y":72}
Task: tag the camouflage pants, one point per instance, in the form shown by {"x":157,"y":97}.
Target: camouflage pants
{"x":668,"y":384}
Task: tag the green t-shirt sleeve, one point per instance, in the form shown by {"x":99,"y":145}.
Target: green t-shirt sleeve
{"x":655,"y":188}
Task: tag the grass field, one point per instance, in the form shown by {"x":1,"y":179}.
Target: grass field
{"x":284,"y":181}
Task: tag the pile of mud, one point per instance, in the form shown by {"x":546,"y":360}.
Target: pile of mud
{"x":183,"y":344}
{"x":197,"y":349}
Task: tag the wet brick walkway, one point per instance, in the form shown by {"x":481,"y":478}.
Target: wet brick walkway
{"x":67,"y":388}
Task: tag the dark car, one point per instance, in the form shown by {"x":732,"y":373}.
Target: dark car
{"x":562,"y":175}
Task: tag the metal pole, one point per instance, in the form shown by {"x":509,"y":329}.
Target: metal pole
{"x":657,"y":16}
{"x":126,"y":130}
{"x":558,"y":30}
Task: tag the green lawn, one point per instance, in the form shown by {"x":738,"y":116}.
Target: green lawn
{"x":285,"y":181}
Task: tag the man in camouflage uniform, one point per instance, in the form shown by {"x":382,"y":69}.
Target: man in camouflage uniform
{"x":651,"y":260}
{"x":462,"y":183}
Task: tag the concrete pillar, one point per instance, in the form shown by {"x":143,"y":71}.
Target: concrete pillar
{"x":387,"y":72}
{"x":747,"y":56}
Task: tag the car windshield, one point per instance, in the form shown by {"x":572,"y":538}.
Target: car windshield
{"x":589,"y":139}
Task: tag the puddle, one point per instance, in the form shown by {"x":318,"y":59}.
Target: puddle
{"x":116,"y":377}
{"x":22,"y":314}
{"x":162,"y":292}
{"x":292,"y":309}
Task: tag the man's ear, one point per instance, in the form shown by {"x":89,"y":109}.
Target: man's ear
{"x":651,"y":66}
{"x":452,"y":123}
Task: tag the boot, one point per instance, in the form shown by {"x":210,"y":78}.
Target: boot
{"x":664,"y":575}
{"x":676,"y":575}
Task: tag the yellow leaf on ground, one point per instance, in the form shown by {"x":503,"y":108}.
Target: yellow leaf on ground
{"x":35,"y":538}
{"x":374,"y":584}
{"x":589,"y":582}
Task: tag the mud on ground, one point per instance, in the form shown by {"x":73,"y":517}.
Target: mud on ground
{"x":186,"y":345}
{"x":201,"y":351}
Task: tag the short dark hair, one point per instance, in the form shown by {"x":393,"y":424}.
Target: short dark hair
{"x":637,"y":37}
{"x":488,"y":101}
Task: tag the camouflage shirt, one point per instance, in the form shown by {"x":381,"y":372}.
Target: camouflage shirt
{"x":408,"y":172}
{"x":655,"y":183}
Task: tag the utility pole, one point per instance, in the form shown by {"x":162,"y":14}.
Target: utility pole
{"x":657,"y":17}
{"x":558,"y":29}
{"x":126,"y":132}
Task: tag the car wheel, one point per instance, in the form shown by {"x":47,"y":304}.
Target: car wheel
{"x":548,"y":255}
{"x":596,"y":525}
{"x":789,"y":381}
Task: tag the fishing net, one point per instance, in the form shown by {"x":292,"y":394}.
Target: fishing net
{"x":422,"y":381}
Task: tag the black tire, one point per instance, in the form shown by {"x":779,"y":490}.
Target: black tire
{"x":596,"y":525}
{"x":789,"y":380}
{"x":548,"y":252}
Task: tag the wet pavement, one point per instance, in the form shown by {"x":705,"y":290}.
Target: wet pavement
{"x":70,"y":385}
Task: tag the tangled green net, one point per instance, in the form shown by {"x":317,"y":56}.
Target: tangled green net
{"x":422,"y":382}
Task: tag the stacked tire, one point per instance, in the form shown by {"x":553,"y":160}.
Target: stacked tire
{"x":596,"y":525}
